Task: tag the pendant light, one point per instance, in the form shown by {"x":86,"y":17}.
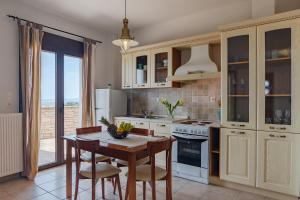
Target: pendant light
{"x":125,"y":41}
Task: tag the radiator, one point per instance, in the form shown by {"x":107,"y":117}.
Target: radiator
{"x":11,"y":144}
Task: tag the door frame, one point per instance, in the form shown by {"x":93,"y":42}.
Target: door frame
{"x":61,"y":46}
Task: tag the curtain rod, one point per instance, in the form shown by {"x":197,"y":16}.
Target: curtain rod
{"x":25,"y":20}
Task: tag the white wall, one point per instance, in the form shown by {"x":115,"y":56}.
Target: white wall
{"x":195,"y":23}
{"x":107,"y":59}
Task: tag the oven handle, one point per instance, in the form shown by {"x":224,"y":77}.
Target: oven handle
{"x":193,"y":137}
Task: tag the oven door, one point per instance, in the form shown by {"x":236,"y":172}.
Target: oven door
{"x":193,"y":152}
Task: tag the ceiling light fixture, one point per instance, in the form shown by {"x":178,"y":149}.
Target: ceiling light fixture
{"x":125,"y":41}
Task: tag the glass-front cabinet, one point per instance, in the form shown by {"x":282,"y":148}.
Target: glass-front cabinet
{"x":161,"y":61}
{"x":239,"y":78}
{"x":141,"y":69}
{"x":278,"y":77}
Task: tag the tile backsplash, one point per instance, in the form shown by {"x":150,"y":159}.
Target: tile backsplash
{"x":201,"y":99}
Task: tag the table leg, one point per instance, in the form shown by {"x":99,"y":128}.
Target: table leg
{"x":69,"y":170}
{"x":132,"y":176}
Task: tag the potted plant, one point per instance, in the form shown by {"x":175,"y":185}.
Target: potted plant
{"x":170,"y":107}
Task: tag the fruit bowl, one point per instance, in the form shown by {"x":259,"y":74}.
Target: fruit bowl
{"x":118,"y":135}
{"x":120,"y":132}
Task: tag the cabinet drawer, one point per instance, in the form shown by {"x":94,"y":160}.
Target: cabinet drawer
{"x":163,"y":129}
{"x":140,"y":124}
{"x":119,"y":121}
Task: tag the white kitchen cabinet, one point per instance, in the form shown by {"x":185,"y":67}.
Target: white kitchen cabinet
{"x":161,"y":67}
{"x":127,"y":71}
{"x":119,"y":121}
{"x":239,"y":78}
{"x":278,"y":76}
{"x":278,"y":162}
{"x":238,"y":156}
{"x":141,"y":124}
{"x":141,"y":69}
{"x":161,"y":129}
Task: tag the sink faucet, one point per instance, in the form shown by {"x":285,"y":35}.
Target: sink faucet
{"x":146,"y":113}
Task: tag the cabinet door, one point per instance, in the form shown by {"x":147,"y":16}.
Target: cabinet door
{"x":278,"y":77}
{"x":239,"y":78}
{"x":127,"y":68}
{"x":278,"y":162}
{"x":238,"y":148}
{"x":161,"y":67}
{"x":141,"y":69}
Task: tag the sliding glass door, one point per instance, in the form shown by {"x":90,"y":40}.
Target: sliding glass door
{"x":61,"y":64}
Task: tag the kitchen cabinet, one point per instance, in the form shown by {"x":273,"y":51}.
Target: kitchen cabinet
{"x":238,"y":156}
{"x":127,"y":71}
{"x":278,"y":162}
{"x":141,"y":124}
{"x":161,"y":67}
{"x":119,"y":121}
{"x":278,"y":76}
{"x":141,"y":69}
{"x":161,"y":129}
{"x":239,"y":78}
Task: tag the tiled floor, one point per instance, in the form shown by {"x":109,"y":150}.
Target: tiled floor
{"x":50,"y":185}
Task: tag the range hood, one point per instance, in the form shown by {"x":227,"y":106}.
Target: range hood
{"x":199,"y":66}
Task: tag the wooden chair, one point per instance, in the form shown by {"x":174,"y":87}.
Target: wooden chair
{"x":152,"y":173}
{"x":142,"y":132}
{"x":94,"y":170}
{"x":86,"y":156}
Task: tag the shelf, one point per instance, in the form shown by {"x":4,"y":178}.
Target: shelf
{"x":278,"y":95}
{"x":238,"y":95}
{"x":161,"y":68}
{"x":239,"y":62}
{"x":278,"y":59}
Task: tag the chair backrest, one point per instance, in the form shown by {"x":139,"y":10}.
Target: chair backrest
{"x":142,"y":131}
{"x":85,"y":145}
{"x":155,"y":147}
{"x":87,"y":130}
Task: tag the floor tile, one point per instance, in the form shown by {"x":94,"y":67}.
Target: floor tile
{"x":46,"y":196}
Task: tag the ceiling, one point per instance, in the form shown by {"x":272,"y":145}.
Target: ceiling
{"x":107,"y":14}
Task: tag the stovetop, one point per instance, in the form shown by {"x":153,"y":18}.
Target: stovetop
{"x":191,"y":127}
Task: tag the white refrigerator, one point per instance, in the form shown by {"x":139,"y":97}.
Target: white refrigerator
{"x":109,"y":104}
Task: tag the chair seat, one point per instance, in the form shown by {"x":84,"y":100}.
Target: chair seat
{"x":103,"y":170}
{"x":87,"y":157}
{"x":138,"y":162}
{"x":143,"y":173}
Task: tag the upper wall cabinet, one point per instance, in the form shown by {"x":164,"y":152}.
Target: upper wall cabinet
{"x":278,"y":77}
{"x":239,"y":78}
{"x":161,"y":67}
{"x":127,"y":71}
{"x":141,"y":69}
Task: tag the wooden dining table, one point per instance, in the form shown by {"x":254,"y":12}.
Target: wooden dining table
{"x":130,"y":149}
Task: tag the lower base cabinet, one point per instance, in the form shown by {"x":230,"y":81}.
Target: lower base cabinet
{"x":238,"y":156}
{"x":278,"y":162}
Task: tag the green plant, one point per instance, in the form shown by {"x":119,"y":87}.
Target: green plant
{"x":170,"y":107}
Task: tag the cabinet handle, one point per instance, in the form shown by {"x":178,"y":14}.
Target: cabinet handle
{"x":162,"y":125}
{"x":241,"y":133}
{"x":242,"y":125}
{"x":282,"y":136}
{"x":281,"y":128}
{"x":272,"y":127}
{"x":141,"y":123}
{"x":271,"y":135}
{"x":162,"y":84}
{"x":232,"y":124}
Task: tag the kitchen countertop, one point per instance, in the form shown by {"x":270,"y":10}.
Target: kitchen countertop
{"x":156,"y":119}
